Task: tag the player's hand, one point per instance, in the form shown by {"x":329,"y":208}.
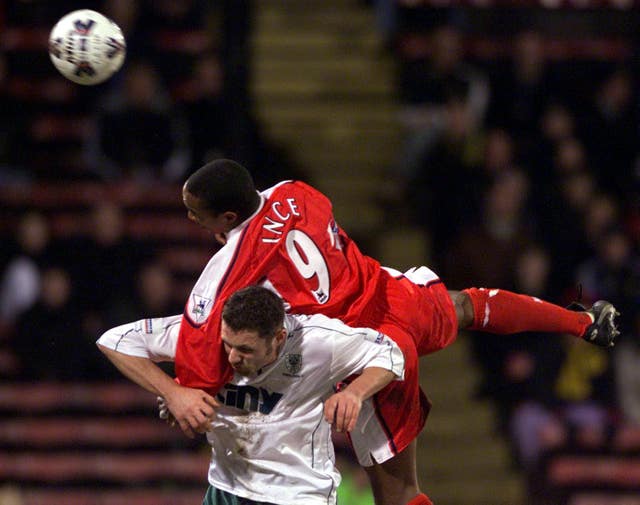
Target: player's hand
{"x":192,"y":409}
{"x":342,"y":410}
{"x":164,"y":413}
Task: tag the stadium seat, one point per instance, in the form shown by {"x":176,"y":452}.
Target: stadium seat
{"x":162,"y":496}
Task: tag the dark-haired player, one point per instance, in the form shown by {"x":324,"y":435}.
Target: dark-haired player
{"x":271,"y":433}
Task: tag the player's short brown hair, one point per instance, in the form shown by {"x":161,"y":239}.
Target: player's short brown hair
{"x":224,"y":185}
{"x":254,"y":308}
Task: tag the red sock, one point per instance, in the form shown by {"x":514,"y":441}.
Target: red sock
{"x":500,"y":311}
{"x":421,"y":499}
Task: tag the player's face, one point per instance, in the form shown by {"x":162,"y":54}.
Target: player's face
{"x":247,"y":351}
{"x":198,"y":212}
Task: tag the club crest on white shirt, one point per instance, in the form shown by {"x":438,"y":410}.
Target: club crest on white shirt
{"x":293,"y":364}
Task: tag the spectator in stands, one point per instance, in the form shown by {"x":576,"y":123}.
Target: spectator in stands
{"x":499,"y":153}
{"x":104,"y":262}
{"x":425,"y":86}
{"x":557,"y":124}
{"x":626,"y":359}
{"x":613,"y":271}
{"x":610,"y":128}
{"x":48,"y":341}
{"x":207,"y":112}
{"x":447,"y":181}
{"x":174,"y":34}
{"x":386,"y":17}
{"x":32,"y":250}
{"x":154,"y":296}
{"x":534,"y":424}
{"x":576,"y":411}
{"x":521,"y":88}
{"x":580,"y":406}
{"x":140,"y":134}
{"x":12,"y":129}
{"x":22,"y":258}
{"x":601,"y":214}
{"x":562,"y":213}
{"x":221,"y":124}
{"x":525,"y":366}
{"x":570,"y":157}
{"x":485,"y":253}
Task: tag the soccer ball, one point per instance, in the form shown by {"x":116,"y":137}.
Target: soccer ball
{"x":86,"y":47}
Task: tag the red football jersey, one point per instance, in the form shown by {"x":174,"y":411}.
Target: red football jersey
{"x":291,"y":244}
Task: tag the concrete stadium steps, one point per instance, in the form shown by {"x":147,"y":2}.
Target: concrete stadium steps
{"x":325,"y":75}
{"x":331,"y":15}
{"x":324,"y":113}
{"x":474,"y":492}
{"x":10,"y":495}
{"x":323,"y":89}
{"x":341,"y":140}
{"x":295,"y":130}
{"x":462,"y":461}
{"x":311,"y":89}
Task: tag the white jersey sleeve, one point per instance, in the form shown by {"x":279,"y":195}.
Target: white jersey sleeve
{"x":355,"y":349}
{"x":155,"y":338}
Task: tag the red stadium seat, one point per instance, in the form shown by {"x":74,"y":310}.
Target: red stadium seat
{"x":594,"y":470}
{"x":601,"y":498}
{"x":188,"y":496}
{"x":627,"y":438}
{"x":413,"y":46}
{"x":47,"y":397}
{"x":80,"y":466}
{"x":47,"y":432}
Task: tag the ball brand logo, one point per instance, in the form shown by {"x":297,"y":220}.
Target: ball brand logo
{"x":84,"y":68}
{"x":115,"y":47}
{"x":54,"y":47}
{"x":83,"y":27}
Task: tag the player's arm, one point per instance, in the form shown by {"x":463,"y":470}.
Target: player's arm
{"x":133,"y":348}
{"x":342,"y":408}
{"x":374,"y":356}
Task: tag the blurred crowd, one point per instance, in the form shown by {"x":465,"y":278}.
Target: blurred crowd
{"x":58,"y":293}
{"x":181,"y":99}
{"x":523,"y":171}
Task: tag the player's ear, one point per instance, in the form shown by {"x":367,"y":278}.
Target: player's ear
{"x":231,"y":219}
{"x":281,"y":335}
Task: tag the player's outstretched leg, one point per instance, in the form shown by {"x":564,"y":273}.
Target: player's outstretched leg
{"x":504,"y":312}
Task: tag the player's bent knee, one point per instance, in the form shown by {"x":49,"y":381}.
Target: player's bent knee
{"x":464,"y":308}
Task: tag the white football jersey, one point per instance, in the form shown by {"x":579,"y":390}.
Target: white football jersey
{"x":270,"y":441}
